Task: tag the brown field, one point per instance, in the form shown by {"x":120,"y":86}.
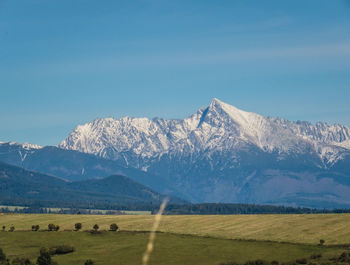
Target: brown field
{"x":307,"y":228}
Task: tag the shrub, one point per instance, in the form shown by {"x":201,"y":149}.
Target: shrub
{"x":35,"y":227}
{"x":5,"y":262}
{"x":78,"y":226}
{"x":89,"y":262}
{"x":113,"y":227}
{"x":44,"y":258}
{"x":53,"y":227}
{"x":3,"y":228}
{"x":60,"y":250}
{"x":344,"y":258}
{"x":275,"y":262}
{"x":2,"y":255}
{"x":96,"y":227}
{"x":12,"y":228}
{"x":322,"y":242}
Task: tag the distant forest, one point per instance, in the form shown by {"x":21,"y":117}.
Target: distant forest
{"x":233,"y":208}
{"x":171,"y":209}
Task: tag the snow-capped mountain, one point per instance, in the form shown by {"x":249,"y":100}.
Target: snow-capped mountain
{"x":212,"y":155}
{"x":219,"y":127}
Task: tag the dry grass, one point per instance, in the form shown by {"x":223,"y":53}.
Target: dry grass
{"x":333,"y":228}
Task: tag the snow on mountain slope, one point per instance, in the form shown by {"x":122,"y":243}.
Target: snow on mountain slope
{"x":21,"y":149}
{"x":219,"y":127}
{"x":26,"y":146}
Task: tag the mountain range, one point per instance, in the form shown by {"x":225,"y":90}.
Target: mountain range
{"x":218,"y":154}
{"x":224,"y":154}
{"x":23,"y":185}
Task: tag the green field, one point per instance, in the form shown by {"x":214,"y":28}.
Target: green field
{"x":188,"y":240}
{"x":307,"y":228}
{"x":126,"y":248}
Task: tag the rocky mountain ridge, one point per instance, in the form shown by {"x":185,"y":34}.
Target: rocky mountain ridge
{"x":219,"y":127}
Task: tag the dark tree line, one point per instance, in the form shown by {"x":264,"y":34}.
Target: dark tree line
{"x":314,"y":259}
{"x":35,"y":206}
{"x":201,"y":208}
{"x":232,"y":208}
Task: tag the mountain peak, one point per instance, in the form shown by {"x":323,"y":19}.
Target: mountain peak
{"x":240,"y":117}
{"x":215,"y":103}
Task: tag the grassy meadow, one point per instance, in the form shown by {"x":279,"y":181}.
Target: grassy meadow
{"x":306,"y":228}
{"x":184,"y":240}
{"x":126,"y":248}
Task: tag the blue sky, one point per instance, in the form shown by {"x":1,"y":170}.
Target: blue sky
{"x":63,"y":63}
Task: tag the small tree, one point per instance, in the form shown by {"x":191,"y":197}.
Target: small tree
{"x":96,"y":227}
{"x":51,"y":227}
{"x":12,"y":228}
{"x":35,"y":227}
{"x":61,"y":249}
{"x":3,"y":260}
{"x":89,"y":262}
{"x":322,"y":242}
{"x":78,"y":226}
{"x":2,"y":255}
{"x":113,"y":227}
{"x":44,"y":258}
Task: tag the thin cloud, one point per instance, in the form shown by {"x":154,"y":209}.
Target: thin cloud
{"x":263,"y":25}
{"x":98,"y":64}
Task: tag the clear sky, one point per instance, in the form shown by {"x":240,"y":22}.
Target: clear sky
{"x":66,"y":62}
